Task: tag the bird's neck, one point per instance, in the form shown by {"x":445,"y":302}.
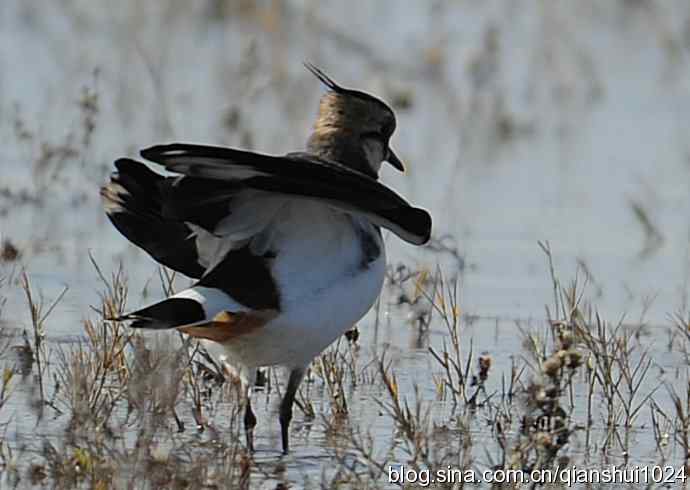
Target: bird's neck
{"x":344,"y":147}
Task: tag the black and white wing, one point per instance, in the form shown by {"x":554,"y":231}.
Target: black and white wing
{"x":133,"y":200}
{"x":295,"y":174}
{"x":207,"y":229}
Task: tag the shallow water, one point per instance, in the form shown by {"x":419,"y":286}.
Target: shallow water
{"x":527,"y":121}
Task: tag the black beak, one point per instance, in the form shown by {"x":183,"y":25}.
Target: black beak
{"x":393,"y":159}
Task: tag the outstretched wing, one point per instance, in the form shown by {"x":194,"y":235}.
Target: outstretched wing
{"x":211,"y":230}
{"x":133,"y":200}
{"x":298,"y":174}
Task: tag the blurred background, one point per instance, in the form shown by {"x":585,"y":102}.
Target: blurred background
{"x":519,"y":121}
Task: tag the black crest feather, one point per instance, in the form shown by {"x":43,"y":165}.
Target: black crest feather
{"x":325,"y":79}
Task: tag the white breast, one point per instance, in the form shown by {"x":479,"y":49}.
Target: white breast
{"x":315,"y":246}
{"x":324,"y":286}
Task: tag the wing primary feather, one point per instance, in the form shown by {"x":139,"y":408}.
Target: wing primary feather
{"x":133,"y":203}
{"x":299,"y":174}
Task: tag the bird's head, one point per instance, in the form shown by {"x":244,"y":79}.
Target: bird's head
{"x":353,"y":128}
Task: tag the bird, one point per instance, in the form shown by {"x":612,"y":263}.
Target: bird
{"x":286,"y":251}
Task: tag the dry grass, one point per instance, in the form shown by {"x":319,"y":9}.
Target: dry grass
{"x":117,"y":409}
{"x":576,"y":389}
{"x":39,"y":312}
{"x":574,"y":395}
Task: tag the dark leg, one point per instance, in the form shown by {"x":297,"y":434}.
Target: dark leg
{"x":249,"y":424}
{"x":247,"y":386}
{"x":286,"y":405}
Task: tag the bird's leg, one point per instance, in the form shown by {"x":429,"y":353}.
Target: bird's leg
{"x":247,"y":386}
{"x":286,"y":403}
{"x":249,"y":424}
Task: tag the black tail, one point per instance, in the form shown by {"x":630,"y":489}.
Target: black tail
{"x":133,"y":200}
{"x":169,"y":313}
